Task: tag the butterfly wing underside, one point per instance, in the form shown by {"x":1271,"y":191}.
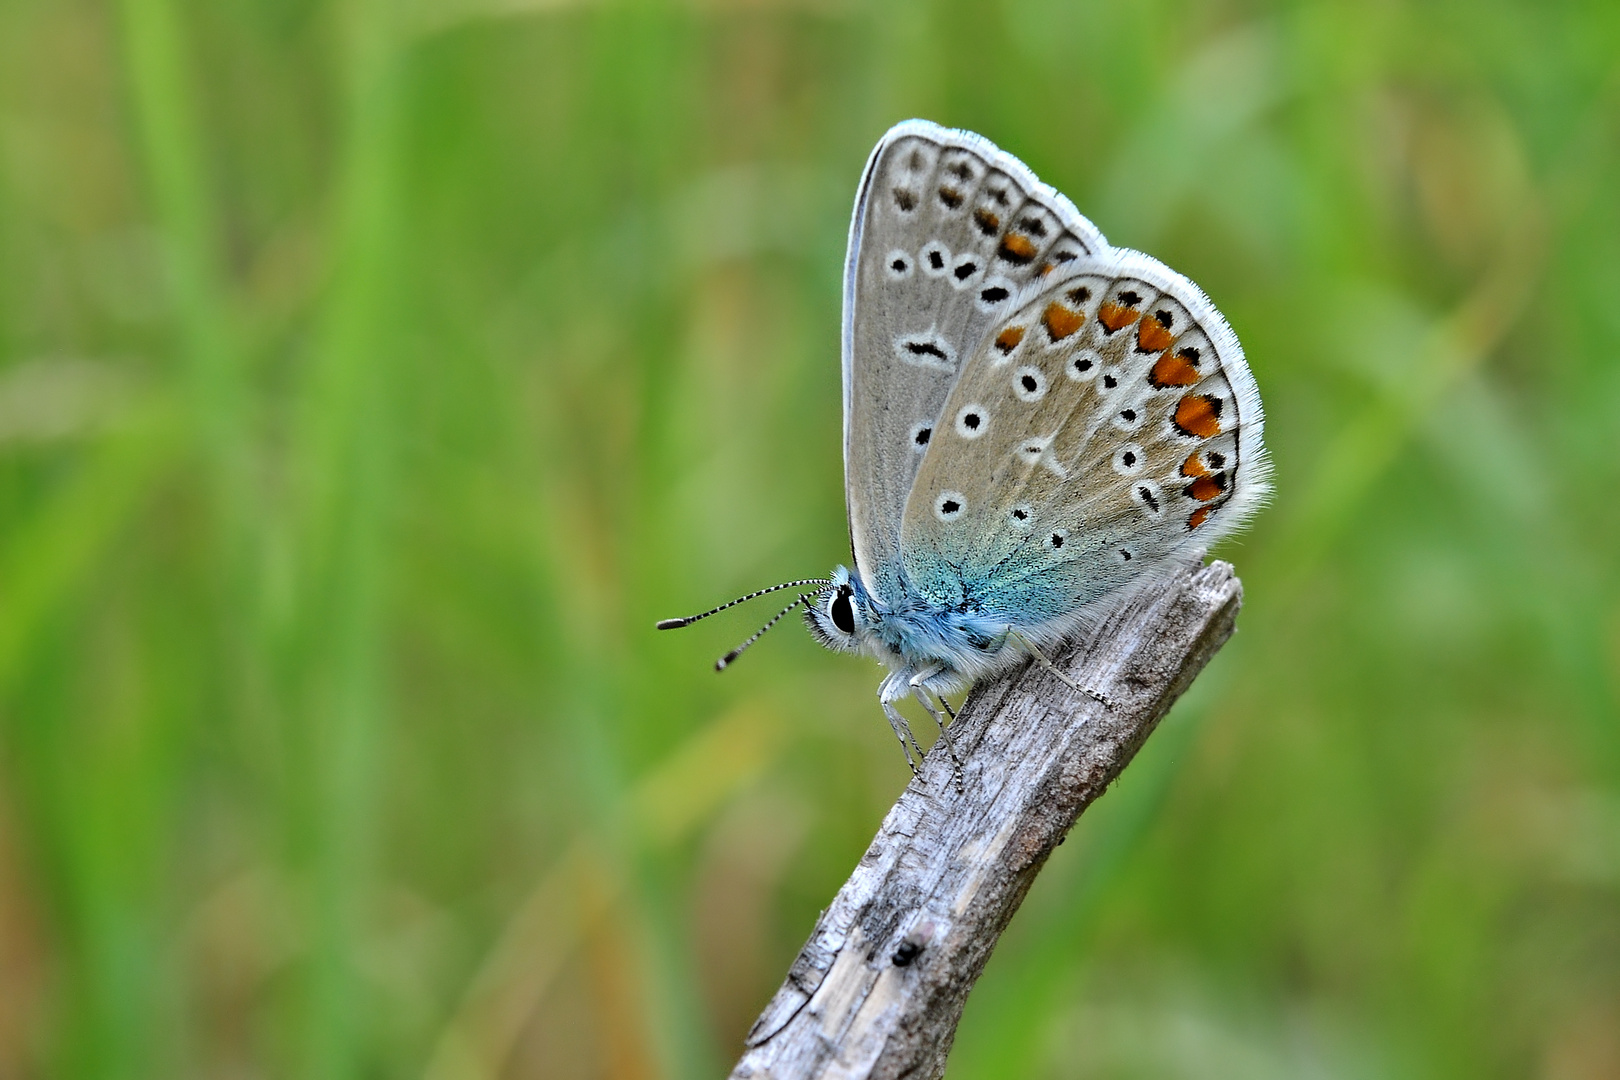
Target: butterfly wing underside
{"x":949,"y":236}
{"x":1105,"y":426}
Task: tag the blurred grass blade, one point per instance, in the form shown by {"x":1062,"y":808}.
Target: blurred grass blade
{"x":579,"y":891}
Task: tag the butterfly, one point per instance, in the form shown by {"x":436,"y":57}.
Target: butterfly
{"x":1035,"y":423}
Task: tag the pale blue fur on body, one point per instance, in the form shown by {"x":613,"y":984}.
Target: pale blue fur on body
{"x":941,"y":648}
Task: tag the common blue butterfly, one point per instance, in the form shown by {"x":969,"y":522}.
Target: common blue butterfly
{"x":1035,"y":421}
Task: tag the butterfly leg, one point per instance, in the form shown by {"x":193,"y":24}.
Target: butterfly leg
{"x":889,"y":691}
{"x":921,"y":691}
{"x":1040,"y":658}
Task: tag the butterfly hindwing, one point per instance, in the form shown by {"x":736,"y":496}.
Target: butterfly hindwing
{"x":1107,"y":425}
{"x":949,"y":236}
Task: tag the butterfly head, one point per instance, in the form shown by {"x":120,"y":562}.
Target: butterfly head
{"x":840,"y":613}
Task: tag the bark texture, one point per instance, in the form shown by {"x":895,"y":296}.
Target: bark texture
{"x":878,"y":989}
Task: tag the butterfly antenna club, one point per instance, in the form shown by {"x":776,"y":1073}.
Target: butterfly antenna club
{"x":676,"y":624}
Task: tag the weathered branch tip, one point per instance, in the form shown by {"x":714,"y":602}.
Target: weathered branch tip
{"x":879,"y":987}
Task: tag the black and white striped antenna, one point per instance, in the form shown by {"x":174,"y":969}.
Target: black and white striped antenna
{"x":726,"y":660}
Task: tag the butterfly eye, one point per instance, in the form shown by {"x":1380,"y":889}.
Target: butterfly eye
{"x":842,"y":611}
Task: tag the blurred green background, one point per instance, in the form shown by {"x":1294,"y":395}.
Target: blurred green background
{"x":373,"y":374}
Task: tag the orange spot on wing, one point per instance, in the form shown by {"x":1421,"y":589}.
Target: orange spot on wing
{"x":1009,"y":338}
{"x":1199,"y":516}
{"x":1046,"y":268}
{"x":1206,"y":488}
{"x":1062,"y":321}
{"x":1172,"y":370}
{"x":1199,"y":414}
{"x":988,"y":222}
{"x":1153,"y":336}
{"x":1114,"y":316}
{"x":1017,"y":248}
{"x":1192,"y":466}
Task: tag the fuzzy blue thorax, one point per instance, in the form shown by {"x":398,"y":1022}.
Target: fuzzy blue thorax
{"x":944,"y":647}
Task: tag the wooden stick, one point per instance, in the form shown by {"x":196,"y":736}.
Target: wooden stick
{"x":878,"y":989}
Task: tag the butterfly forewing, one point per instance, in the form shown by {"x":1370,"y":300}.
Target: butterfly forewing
{"x":949,"y":236}
{"x":1106,"y":425}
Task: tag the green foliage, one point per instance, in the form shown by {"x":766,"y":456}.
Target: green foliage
{"x":372,"y":375}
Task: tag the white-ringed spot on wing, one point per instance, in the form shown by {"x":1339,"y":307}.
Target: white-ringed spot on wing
{"x":972,"y":421}
{"x":1057,"y":539}
{"x":926,"y":350}
{"x":1021,"y":517}
{"x":898,"y":265}
{"x":1129,"y":418}
{"x":919,"y":436}
{"x":1030,"y":450}
{"x":1110,"y":380}
{"x":935,"y":259}
{"x":949,"y":506}
{"x":1084,"y":365}
{"x":994,"y":293}
{"x":1146,"y":494}
{"x":1029,"y":384}
{"x":1128,"y":460}
{"x":966,"y":270}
